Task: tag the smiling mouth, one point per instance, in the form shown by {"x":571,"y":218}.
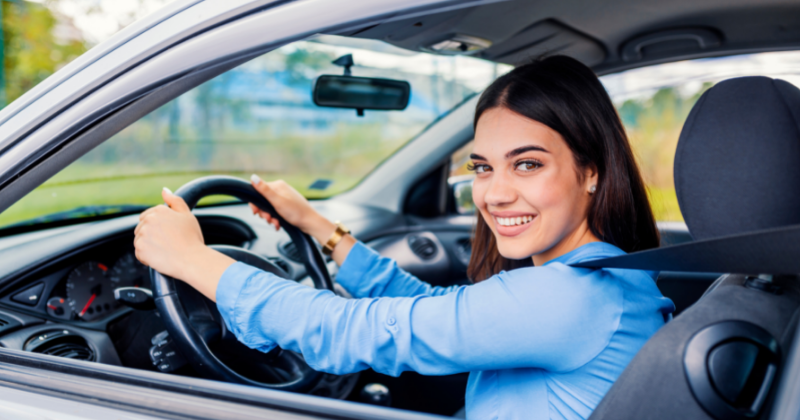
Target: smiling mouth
{"x":513,"y":221}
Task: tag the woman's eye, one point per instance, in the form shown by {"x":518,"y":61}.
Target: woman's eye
{"x":479,"y":168}
{"x":528,"y":166}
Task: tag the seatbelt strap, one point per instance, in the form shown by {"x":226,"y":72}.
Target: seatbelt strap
{"x":770,"y":251}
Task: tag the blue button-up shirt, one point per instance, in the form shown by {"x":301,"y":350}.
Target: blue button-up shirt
{"x":540,"y":342}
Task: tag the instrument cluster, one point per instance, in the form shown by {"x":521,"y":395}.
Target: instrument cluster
{"x":87,"y":293}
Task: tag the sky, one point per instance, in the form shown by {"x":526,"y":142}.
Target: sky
{"x":99,"y":19}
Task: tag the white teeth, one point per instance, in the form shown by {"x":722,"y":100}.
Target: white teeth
{"x":513,"y":221}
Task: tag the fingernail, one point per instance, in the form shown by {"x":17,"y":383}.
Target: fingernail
{"x":167,"y":190}
{"x":255,"y":179}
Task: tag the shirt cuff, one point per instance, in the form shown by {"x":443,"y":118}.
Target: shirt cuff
{"x":229,"y":288}
{"x":359,"y":261}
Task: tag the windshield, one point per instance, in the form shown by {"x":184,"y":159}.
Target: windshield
{"x":260,"y":118}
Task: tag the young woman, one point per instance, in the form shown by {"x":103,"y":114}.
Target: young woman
{"x":556,"y":183}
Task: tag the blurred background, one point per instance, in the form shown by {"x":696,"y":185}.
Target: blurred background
{"x":39,"y":37}
{"x":260,"y":117}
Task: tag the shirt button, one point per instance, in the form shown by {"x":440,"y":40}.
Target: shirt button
{"x":391,"y":321}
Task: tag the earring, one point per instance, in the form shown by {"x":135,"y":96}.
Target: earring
{"x":592,"y":189}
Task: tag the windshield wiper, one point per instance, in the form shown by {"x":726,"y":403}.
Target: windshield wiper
{"x":69,"y":217}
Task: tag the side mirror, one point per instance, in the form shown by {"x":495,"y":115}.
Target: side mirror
{"x":361,"y":93}
{"x":461,"y":186}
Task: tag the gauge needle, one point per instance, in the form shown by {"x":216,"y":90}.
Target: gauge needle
{"x":88,"y":304}
{"x":52,"y":307}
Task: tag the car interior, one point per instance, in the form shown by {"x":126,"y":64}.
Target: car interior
{"x":71,"y":286}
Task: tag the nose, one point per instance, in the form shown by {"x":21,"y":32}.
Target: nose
{"x":500,"y":191}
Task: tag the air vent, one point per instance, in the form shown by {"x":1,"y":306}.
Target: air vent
{"x":422,"y":246}
{"x":61,"y":343}
{"x":70,"y":351}
{"x":8,"y":323}
{"x":289,"y":249}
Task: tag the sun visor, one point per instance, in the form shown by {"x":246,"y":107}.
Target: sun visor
{"x":546,"y":38}
{"x":502,"y":32}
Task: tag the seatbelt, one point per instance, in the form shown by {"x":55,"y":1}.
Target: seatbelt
{"x":769,"y":251}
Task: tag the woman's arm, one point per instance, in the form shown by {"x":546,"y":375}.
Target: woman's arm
{"x":555,"y":318}
{"x":365,"y":273}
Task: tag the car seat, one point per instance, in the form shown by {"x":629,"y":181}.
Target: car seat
{"x":737,"y":176}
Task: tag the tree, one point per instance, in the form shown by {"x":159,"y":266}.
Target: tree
{"x":33,"y":50}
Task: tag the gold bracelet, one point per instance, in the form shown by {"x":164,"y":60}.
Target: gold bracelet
{"x":337,"y":236}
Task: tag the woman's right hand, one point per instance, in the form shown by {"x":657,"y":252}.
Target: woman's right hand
{"x":293,"y":207}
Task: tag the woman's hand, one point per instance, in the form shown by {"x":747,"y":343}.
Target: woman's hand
{"x":295,"y":209}
{"x":169,"y":240}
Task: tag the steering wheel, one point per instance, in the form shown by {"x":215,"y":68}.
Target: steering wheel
{"x":195,"y":325}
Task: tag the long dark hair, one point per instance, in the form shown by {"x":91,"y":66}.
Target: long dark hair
{"x":566,"y":96}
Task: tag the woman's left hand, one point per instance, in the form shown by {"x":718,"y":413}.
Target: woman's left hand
{"x":167,"y":236}
{"x":169,"y":240}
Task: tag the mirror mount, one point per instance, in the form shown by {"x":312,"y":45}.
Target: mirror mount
{"x":347,"y":62}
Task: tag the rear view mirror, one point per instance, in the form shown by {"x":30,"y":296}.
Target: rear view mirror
{"x":361,"y":93}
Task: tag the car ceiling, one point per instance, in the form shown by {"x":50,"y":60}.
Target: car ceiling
{"x":606,"y":35}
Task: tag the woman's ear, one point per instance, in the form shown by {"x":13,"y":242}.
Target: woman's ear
{"x":590,"y":177}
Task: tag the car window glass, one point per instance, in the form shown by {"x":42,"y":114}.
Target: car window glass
{"x":653,"y":103}
{"x":260,"y":118}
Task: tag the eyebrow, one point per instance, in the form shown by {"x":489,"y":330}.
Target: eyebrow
{"x":520,"y":150}
{"x":516,"y":152}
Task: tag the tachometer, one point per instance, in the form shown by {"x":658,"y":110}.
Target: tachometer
{"x":90,"y":294}
{"x":128,"y":272}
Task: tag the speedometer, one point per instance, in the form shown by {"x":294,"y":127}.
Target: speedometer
{"x":90,"y":294}
{"x":128,"y":272}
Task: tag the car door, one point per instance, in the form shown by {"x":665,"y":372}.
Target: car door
{"x":38,"y":387}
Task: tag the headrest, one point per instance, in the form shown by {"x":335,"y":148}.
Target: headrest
{"x":737,"y":166}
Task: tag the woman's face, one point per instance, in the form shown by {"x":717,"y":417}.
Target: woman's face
{"x":528,"y":188}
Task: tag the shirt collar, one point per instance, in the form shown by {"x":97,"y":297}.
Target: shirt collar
{"x":590,"y":251}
